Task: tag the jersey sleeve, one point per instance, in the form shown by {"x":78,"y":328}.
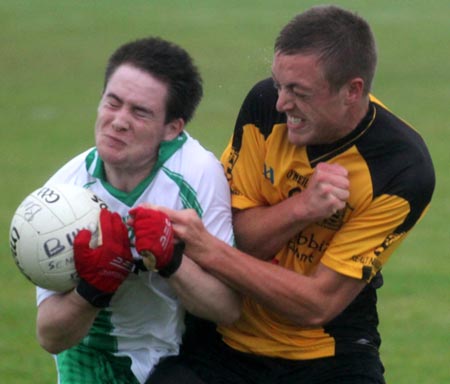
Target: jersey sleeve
{"x":42,"y":294}
{"x":364,"y":244}
{"x":244,"y":182}
{"x":214,"y":197}
{"x":243,"y":158}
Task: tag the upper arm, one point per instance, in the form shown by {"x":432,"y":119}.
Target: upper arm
{"x":244,"y":165}
{"x":334,"y":292}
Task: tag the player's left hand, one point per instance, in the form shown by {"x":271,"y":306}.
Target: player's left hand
{"x":155,"y":240}
{"x":103,"y":269}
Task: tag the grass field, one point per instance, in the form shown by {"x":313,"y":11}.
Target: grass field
{"x":51,"y":68}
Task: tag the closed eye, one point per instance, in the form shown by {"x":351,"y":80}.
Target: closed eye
{"x":142,"y":112}
{"x":113,"y":101}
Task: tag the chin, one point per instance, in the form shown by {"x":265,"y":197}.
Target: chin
{"x":109,"y":155}
{"x":298,"y":140}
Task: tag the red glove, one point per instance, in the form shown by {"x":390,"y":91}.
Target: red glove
{"x":104,"y":268}
{"x":154,"y":241}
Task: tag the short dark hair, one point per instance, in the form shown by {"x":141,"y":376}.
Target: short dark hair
{"x":168,"y":63}
{"x":343,"y":40}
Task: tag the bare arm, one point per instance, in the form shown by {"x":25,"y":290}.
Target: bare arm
{"x":63,"y":320}
{"x":302,"y":300}
{"x":204,"y":295}
{"x":263,"y":231}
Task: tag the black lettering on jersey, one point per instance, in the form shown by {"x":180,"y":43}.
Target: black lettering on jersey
{"x":232,"y":158}
{"x":308,"y":244}
{"x":391,"y":238}
{"x":336,"y":221}
{"x":299,"y":179}
{"x":268,"y":173}
{"x":311,"y":242}
{"x":293,"y":191}
{"x":300,"y":256}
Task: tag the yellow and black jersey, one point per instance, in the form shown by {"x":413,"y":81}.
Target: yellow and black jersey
{"x":391,"y":183}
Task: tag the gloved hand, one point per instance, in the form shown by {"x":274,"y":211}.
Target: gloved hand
{"x":155,"y":241}
{"x":104,"y":268}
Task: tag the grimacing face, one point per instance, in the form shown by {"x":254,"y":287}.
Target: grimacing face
{"x":130,"y":121}
{"x":315,"y":114}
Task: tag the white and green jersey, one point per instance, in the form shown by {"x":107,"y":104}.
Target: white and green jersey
{"x":145,"y":320}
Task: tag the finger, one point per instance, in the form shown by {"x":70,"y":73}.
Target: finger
{"x":82,"y":239}
{"x":118,"y":227}
{"x":169,"y":212}
{"x":336,"y":169}
{"x":341,"y":194}
{"x":142,"y":208}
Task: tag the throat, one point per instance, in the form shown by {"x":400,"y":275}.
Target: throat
{"x":126,"y":180}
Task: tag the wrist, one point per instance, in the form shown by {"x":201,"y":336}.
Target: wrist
{"x":93,"y":295}
{"x":175,"y":261}
{"x":301,"y":210}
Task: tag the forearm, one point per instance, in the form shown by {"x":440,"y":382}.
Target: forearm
{"x":263,"y":231}
{"x":268,"y":284}
{"x":204,"y":295}
{"x":301,"y":300}
{"x":63,"y":320}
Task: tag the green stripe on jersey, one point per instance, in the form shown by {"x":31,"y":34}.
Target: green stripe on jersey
{"x":188,"y":195}
{"x":99,"y":336}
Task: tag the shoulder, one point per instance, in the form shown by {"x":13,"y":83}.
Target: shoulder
{"x":399,"y":144}
{"x":399,"y":160}
{"x":193,"y":153}
{"x":259,"y":107}
{"x":194,"y":163}
{"x":72,"y":169}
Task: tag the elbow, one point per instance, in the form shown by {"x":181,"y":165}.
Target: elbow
{"x":53,"y":349}
{"x":314,"y":321}
{"x":231,"y":317}
{"x":314,"y":318}
{"x":50,"y":346}
{"x":53,"y":345}
{"x":232,"y":314}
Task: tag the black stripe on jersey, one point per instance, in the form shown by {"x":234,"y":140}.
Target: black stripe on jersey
{"x":259,"y":109}
{"x":325,"y":152}
{"x":399,"y":163}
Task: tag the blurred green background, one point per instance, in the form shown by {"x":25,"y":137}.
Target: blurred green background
{"x":52,"y":55}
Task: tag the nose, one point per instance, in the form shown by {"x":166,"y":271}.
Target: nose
{"x":120,"y":122}
{"x":285,"y":100}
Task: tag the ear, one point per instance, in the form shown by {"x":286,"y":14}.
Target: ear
{"x":355,"y":90}
{"x":173,"y":129}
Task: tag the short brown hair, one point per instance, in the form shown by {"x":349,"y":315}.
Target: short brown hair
{"x":343,"y":40}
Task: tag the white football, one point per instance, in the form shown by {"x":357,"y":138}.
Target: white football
{"x":43,"y":229}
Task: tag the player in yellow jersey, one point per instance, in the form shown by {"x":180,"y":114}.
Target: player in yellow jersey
{"x":326,"y":182}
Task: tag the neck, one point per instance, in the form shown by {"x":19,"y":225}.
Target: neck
{"x":355,"y":115}
{"x":126,"y":180}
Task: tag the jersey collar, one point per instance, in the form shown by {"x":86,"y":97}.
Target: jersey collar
{"x":96,"y":168}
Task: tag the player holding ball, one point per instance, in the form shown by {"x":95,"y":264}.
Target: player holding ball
{"x":123,"y":318}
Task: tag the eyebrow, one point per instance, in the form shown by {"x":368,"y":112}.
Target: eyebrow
{"x":111,"y":95}
{"x":291,"y":86}
{"x":135,"y":107}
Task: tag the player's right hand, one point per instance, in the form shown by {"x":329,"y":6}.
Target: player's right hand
{"x":104,"y":268}
{"x":155,"y":240}
{"x":327,"y":191}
